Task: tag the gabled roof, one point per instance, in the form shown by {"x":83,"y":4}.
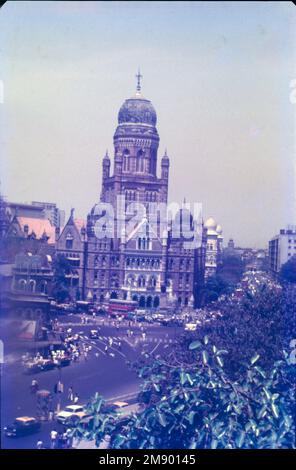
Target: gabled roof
{"x":77,"y":223}
{"x":39,"y":227}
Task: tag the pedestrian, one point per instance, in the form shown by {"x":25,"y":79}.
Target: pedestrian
{"x":53,"y":438}
{"x":60,"y":440}
{"x":65,"y":440}
{"x":39,"y":444}
{"x":76,"y":398}
{"x":34,"y":386}
{"x":69,"y":438}
{"x":70,"y":394}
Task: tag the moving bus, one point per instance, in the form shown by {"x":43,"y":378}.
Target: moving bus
{"x":121,"y":307}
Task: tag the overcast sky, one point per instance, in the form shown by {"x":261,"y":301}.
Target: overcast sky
{"x":218,"y":75}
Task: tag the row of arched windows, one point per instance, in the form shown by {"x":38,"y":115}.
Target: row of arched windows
{"x":144,"y":244}
{"x":183,"y":263}
{"x":147,"y":263}
{"x":30,"y":286}
{"x":141,"y":281}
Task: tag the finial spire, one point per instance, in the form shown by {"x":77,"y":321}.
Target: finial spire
{"x":139,"y":77}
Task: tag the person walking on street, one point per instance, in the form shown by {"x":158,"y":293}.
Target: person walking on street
{"x":70,"y":394}
{"x":76,"y":398}
{"x":69,"y":438}
{"x":53,"y":438}
{"x":39,"y":444}
{"x":34,"y":386}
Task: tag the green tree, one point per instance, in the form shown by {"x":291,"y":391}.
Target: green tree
{"x":288,"y":270}
{"x":196,"y":405}
{"x":61,"y":268}
{"x":231,"y":269}
{"x":261,"y":322}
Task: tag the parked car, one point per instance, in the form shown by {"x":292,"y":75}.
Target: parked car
{"x":22,"y":426}
{"x":71,"y":414}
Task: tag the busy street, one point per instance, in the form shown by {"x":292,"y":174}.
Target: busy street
{"x":99,"y":362}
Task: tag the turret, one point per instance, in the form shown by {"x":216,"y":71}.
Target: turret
{"x":165,"y":165}
{"x":106,"y":166}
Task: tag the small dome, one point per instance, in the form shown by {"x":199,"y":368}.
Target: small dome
{"x":210,"y":223}
{"x":219,"y":229}
{"x":137,"y":110}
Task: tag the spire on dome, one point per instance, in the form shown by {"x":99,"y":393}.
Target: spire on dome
{"x":139,"y":77}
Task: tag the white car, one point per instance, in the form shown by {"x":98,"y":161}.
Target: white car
{"x":190,"y":326}
{"x":71,"y":413}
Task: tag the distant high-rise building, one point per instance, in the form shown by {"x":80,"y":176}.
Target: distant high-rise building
{"x":282,"y":247}
{"x":51,"y":212}
{"x":38,"y":210}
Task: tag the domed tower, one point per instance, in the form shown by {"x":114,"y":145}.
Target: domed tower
{"x":136,"y":137}
{"x":136,"y":143}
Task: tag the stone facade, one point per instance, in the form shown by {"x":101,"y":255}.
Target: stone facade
{"x":146,"y":262}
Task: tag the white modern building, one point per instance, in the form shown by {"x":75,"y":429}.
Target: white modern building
{"x":282,"y":247}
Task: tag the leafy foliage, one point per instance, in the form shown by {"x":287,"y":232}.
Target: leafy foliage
{"x":231,"y":269}
{"x":288,"y":270}
{"x":263,"y":322}
{"x":100,"y":421}
{"x":196,"y":405}
{"x":227,"y":385}
{"x":61,"y":268}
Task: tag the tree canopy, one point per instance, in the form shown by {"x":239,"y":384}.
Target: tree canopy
{"x":288,"y":270}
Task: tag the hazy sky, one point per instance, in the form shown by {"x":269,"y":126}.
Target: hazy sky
{"x":218,"y":75}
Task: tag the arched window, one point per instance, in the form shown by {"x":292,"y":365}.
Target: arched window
{"x":149,"y":302}
{"x":141,"y":281}
{"x":142,"y":301}
{"x":69,"y":241}
{"x":126,"y":160}
{"x":44,"y":287}
{"x":22,"y":284}
{"x":140,"y":161}
{"x":152,"y":281}
{"x":156,"y":302}
{"x":32,"y":285}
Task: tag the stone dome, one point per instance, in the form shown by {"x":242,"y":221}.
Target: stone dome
{"x":210,"y":223}
{"x":137,"y":110}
